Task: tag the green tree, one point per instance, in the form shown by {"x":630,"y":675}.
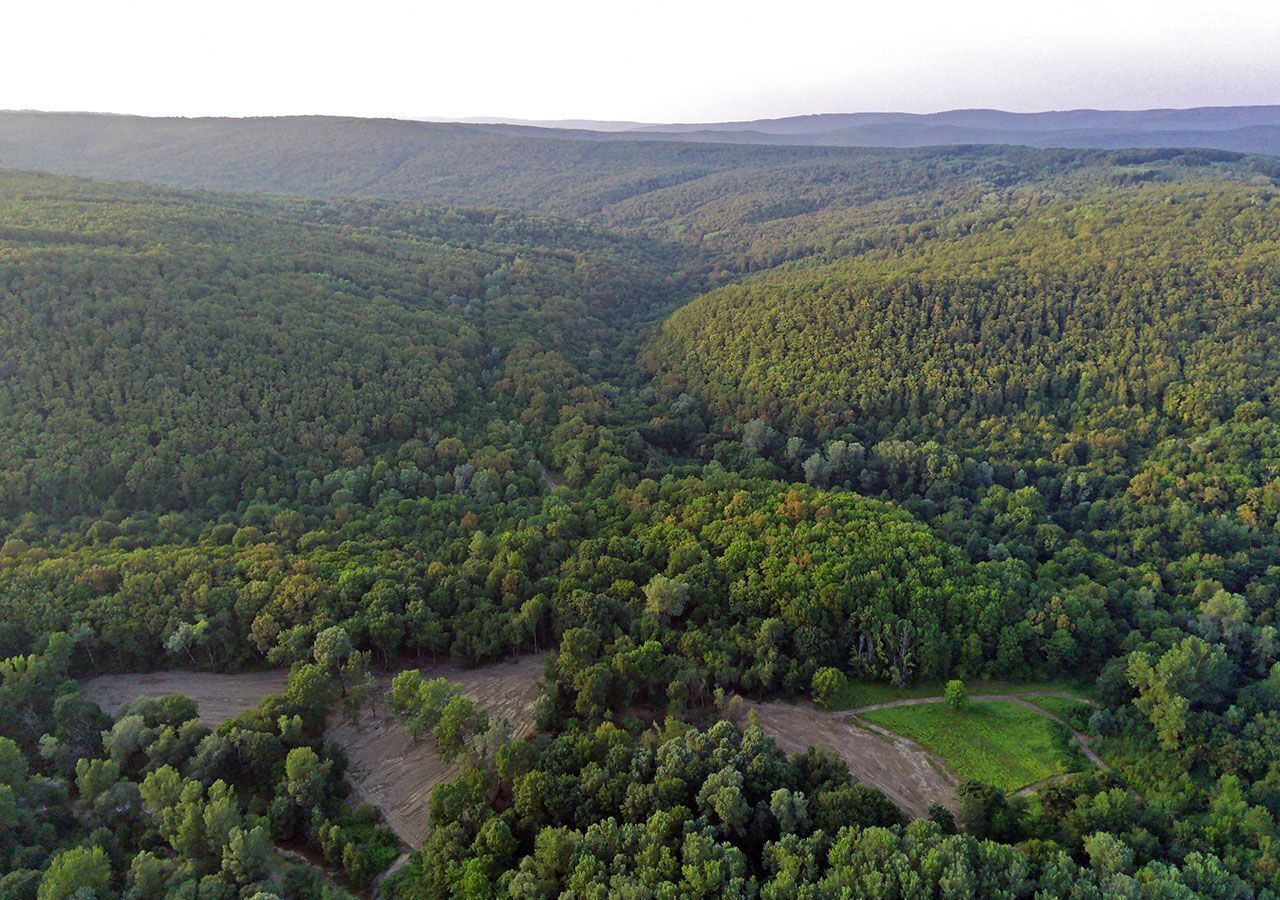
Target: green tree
{"x":665,"y":597}
{"x":828,"y":684}
{"x":75,"y":873}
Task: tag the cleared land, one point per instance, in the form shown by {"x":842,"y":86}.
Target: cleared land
{"x":397,"y":774}
{"x":218,"y":697}
{"x":387,"y":768}
{"x":857,"y":695}
{"x":1005,"y":744}
{"x":907,"y":743}
{"x":906,"y":773}
{"x":899,"y":745}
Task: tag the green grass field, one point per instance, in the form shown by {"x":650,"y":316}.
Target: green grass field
{"x":863,"y":693}
{"x":1003,"y":744}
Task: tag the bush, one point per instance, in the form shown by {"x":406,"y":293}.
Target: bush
{"x":956,"y":694}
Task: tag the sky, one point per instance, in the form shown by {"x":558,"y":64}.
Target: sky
{"x":655,"y":61}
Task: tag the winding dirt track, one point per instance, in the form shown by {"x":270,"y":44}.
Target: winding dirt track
{"x":387,"y":768}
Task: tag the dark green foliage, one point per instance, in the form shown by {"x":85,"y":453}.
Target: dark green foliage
{"x":171,"y":353}
{"x":160,"y":805}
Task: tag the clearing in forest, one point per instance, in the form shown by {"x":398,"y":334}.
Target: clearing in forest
{"x":904,"y":772}
{"x":397,"y":774}
{"x":387,"y":768}
{"x":218,"y":696}
{"x":1002,"y":743}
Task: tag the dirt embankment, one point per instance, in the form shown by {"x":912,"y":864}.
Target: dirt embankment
{"x":397,"y":775}
{"x":387,"y":768}
{"x":218,"y":697}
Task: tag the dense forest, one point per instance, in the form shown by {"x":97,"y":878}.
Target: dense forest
{"x":701,"y":424}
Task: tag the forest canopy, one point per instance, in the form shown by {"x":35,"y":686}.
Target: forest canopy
{"x":704,"y":428}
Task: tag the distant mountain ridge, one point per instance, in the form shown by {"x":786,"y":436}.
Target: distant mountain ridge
{"x":1247,"y":129}
{"x":634,"y":177}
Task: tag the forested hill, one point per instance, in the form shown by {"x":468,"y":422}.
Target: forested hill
{"x":1112,"y":355}
{"x":171,"y":351}
{"x":435,"y":162}
{"x":1158,"y":298}
{"x":983,"y":413}
{"x":577,"y":173}
{"x":741,"y":208}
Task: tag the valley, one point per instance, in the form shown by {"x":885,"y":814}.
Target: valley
{"x":704,"y":470}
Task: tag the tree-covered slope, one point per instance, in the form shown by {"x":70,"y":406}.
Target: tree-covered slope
{"x":1032,"y":394}
{"x":1150,"y":307}
{"x":166,"y":351}
{"x":320,"y":155}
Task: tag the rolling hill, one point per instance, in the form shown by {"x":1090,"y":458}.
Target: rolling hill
{"x":1249,"y":129}
{"x":167,"y":350}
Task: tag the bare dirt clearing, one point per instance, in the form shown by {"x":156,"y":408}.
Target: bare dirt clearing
{"x":391,"y":771}
{"x":218,"y":697}
{"x":387,"y":768}
{"x":907,"y":774}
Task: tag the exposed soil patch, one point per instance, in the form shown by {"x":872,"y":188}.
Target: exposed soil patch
{"x":907,"y":774}
{"x":397,"y":774}
{"x":218,"y":697}
{"x":387,"y":768}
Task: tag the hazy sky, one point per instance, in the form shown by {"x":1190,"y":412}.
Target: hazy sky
{"x":651,"y":61}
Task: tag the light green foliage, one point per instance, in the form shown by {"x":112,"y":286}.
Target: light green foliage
{"x":955,"y":694}
{"x":246,"y":854}
{"x":1107,"y":853}
{"x":331,"y":648}
{"x":304,"y":774}
{"x":437,"y":707}
{"x":665,"y":596}
{"x":420,"y":703}
{"x":996,"y":743}
{"x":77,"y":873}
{"x":1192,"y":673}
{"x":828,"y":685}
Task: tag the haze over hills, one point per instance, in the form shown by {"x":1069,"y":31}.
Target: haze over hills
{"x":578,"y":170}
{"x":1249,"y":129}
{"x":625,"y":177}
